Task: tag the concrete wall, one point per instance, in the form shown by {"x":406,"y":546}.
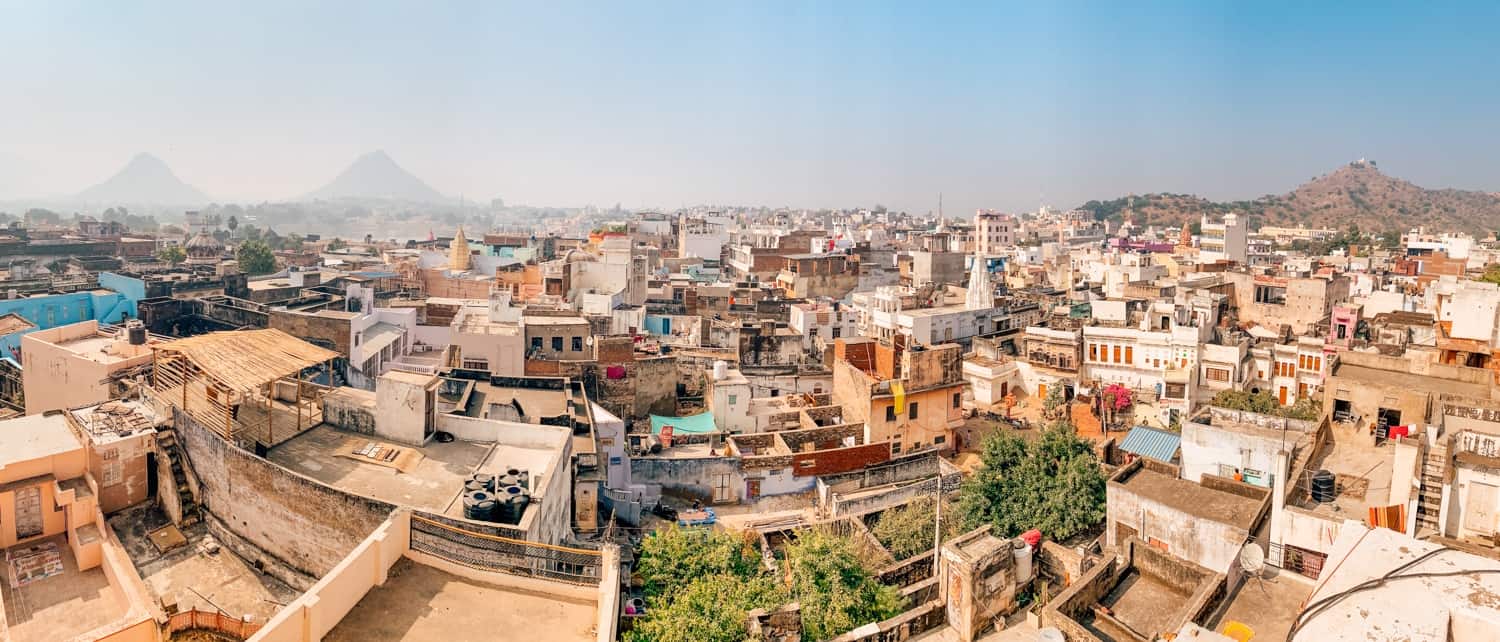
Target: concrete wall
{"x":119,"y":467}
{"x":688,"y":477}
{"x":351,"y":409}
{"x":295,"y":520}
{"x":401,"y":407}
{"x":56,"y":378}
{"x":367,"y":566}
{"x":1213,"y":545}
{"x":1078,"y":598}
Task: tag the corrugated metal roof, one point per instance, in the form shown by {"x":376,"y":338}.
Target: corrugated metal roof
{"x":1160,"y":445}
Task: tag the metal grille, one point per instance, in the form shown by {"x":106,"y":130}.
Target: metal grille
{"x":483,"y":547}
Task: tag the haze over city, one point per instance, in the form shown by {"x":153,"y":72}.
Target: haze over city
{"x":670,"y":104}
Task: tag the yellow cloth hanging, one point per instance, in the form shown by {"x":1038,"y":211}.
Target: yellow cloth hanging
{"x":900,"y":393}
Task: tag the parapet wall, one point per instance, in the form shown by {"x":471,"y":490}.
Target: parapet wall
{"x":300,"y":523}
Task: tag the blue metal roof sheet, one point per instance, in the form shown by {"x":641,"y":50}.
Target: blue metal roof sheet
{"x":1160,"y":445}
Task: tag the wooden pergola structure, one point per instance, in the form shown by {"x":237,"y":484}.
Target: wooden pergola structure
{"x":238,"y":383}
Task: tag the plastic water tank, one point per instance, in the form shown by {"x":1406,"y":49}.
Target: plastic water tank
{"x":1323,"y":487}
{"x":1051,"y":634}
{"x":1022,"y":552}
{"x":485,"y":479}
{"x":721,"y":370}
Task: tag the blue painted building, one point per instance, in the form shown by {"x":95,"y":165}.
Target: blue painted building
{"x":112,"y":302}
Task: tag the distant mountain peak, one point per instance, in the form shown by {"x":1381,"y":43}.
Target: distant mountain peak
{"x":375,"y":174}
{"x":1356,"y":193}
{"x":145,"y":179}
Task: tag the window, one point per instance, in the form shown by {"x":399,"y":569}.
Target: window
{"x":958,"y":399}
{"x":896,"y":447}
{"x":1318,"y":364}
{"x":1218,"y":374}
{"x":1129,"y":354}
{"x":807,"y":464}
{"x":890,"y":413}
{"x":536,"y":343}
{"x":911,"y":410}
{"x":1094,"y":352}
{"x":577,"y":344}
{"x":939,"y":440}
{"x":733,"y":399}
{"x":1117,"y":354}
{"x":837,"y":331}
{"x":476,"y":363}
{"x":557,"y":343}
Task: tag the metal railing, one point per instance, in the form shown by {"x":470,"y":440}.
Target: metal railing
{"x":485,"y":547}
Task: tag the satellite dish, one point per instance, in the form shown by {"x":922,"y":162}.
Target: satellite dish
{"x":1252,"y":559}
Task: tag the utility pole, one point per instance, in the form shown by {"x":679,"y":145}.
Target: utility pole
{"x":937,"y":521}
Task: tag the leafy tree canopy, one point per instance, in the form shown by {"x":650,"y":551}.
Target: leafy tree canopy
{"x":255,"y":257}
{"x":1052,"y":483}
{"x":906,"y":530}
{"x":837,"y":593}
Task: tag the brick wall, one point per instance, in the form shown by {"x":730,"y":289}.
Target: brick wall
{"x":324,"y":331}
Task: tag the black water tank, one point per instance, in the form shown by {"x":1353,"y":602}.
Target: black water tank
{"x":523,"y":479}
{"x":512,"y":504}
{"x":1323,"y":487}
{"x":136,"y":332}
{"x":480,"y":505}
{"x":485,"y":479}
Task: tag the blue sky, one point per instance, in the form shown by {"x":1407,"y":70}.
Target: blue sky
{"x":802,"y":104}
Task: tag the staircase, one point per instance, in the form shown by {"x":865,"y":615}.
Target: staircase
{"x":166,"y":439}
{"x":1430,"y":501}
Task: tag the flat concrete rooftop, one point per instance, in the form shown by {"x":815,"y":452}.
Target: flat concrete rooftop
{"x":1192,"y":498}
{"x":420,"y":603}
{"x":1361,"y":469}
{"x":193,"y":575}
{"x":61,"y":606}
{"x":431,"y":484}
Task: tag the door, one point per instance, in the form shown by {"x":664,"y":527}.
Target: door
{"x":1041,"y":391}
{"x":752,"y":488}
{"x":1281,"y":396}
{"x":721,"y":488}
{"x":1479,"y":510}
{"x":28,"y":512}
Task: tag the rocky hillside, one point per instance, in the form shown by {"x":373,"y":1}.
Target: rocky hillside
{"x":1357,"y":193}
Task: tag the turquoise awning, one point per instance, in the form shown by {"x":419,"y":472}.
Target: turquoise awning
{"x":699,"y":424}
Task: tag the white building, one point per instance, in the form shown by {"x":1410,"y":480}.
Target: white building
{"x":1224,"y":241}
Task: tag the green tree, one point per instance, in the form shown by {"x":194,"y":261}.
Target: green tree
{"x":673,"y":557}
{"x":1052,"y":483}
{"x":906,"y":530}
{"x":171,"y":254}
{"x":337,"y":244}
{"x":255,"y":257}
{"x":233,"y":223}
{"x":1306,"y":408}
{"x":1491,"y":273}
{"x":712,"y":608}
{"x":836,"y":591}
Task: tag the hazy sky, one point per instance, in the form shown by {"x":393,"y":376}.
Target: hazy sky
{"x":802,"y":104}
